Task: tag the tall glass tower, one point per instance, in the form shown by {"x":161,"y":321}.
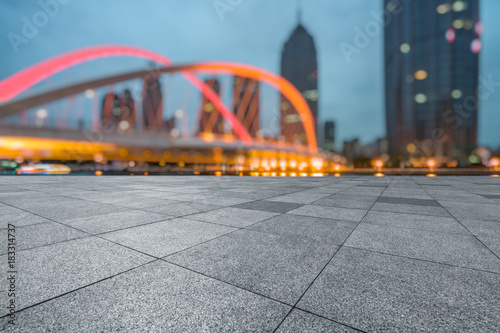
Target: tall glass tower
{"x":299,"y":66}
{"x":431,"y":76}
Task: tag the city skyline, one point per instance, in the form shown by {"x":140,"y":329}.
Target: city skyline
{"x":341,"y":81}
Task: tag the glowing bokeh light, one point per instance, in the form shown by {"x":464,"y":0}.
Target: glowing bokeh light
{"x":421,"y":74}
{"x":42,"y":113}
{"x":456,"y":93}
{"x":179,"y":113}
{"x":458,"y":24}
{"x":175,"y":133}
{"x":420,"y":98}
{"x":459,"y":6}
{"x":468,"y":24}
{"x":123,"y":125}
{"x":450,"y":35}
{"x":476,"y":45}
{"x":443,"y":9}
{"x":404,"y":48}
{"x":273,"y":163}
{"x":283,"y":164}
{"x":89,"y":93}
{"x":479,"y":28}
{"x":98,"y":158}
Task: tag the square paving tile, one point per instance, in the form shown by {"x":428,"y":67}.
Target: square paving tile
{"x":410,"y":194}
{"x":492,"y":243}
{"x":482,"y":228}
{"x":320,"y":230}
{"x":36,"y":235}
{"x":347,"y":201}
{"x":424,"y":222}
{"x":408,"y":201}
{"x":164,"y":238}
{"x":410,"y":209}
{"x":50,"y":271}
{"x":491,"y":196}
{"x":139,"y":202}
{"x":221,"y":201}
{"x":61,"y":209}
{"x":371,"y":191}
{"x":377,"y":293}
{"x":158,"y":297}
{"x":181,"y":209}
{"x":270,"y":206}
{"x":97,"y":224}
{"x":300,"y":197}
{"x":18,"y":218}
{"x":335,"y":213}
{"x":302,"y":322}
{"x":474,"y":210}
{"x":235,"y":217}
{"x":460,"y":250}
{"x":280,"y":267}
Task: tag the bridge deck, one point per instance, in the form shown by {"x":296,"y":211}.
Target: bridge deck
{"x":236,"y":254}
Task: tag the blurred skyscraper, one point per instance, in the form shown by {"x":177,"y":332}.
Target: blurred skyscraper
{"x":109,"y":104}
{"x":118,"y":111}
{"x":329,"y":135}
{"x":431,"y":75}
{"x":246,"y":103}
{"x":211,"y":121}
{"x":152,"y":103}
{"x":299,"y":66}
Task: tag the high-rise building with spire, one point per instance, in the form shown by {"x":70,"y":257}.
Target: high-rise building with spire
{"x":299,"y":66}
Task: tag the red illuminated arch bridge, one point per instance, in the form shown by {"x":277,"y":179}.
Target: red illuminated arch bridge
{"x":25,"y":79}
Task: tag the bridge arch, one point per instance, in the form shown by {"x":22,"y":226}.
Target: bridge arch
{"x":24,"y":79}
{"x":28,"y":77}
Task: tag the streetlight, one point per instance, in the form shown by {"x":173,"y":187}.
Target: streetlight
{"x":494,"y":162}
{"x":431,"y":163}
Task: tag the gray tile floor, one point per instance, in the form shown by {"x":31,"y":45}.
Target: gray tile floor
{"x":238,"y":254}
